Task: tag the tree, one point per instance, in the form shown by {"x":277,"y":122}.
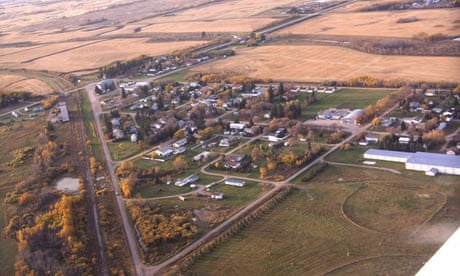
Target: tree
{"x":263,"y":172}
{"x":123,"y":93}
{"x":271,"y":165}
{"x":179,"y":134}
{"x":180,"y":163}
{"x":281,"y":89}
{"x":269,"y":94}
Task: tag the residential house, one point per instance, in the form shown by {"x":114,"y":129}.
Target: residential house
{"x":180,"y":143}
{"x":235,"y":182}
{"x":163,"y":152}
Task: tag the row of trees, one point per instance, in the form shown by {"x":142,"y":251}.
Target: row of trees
{"x":9,"y":98}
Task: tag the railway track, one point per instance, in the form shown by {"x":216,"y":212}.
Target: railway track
{"x":80,"y":160}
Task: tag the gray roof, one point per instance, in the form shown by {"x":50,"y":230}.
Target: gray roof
{"x":423,"y":158}
{"x":390,"y":153}
{"x":435,"y":159}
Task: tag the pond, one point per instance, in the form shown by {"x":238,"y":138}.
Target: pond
{"x":68,"y":184}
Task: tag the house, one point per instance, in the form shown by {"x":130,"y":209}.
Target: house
{"x":442,"y":126}
{"x":371,"y":138}
{"x":118,"y":134}
{"x":115,"y":122}
{"x":404,"y":140}
{"x":189,"y":179}
{"x":163,"y":152}
{"x":225,"y":142}
{"x":238,"y":126}
{"x":133,"y":138}
{"x":235,"y":182}
{"x":180,"y":143}
{"x":279,"y":135}
{"x":216,"y":195}
{"x":201,"y":156}
{"x":179,"y":150}
{"x":233,"y":161}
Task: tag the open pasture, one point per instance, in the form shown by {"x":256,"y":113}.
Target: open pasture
{"x":309,"y":233}
{"x":319,"y":63}
{"x":381,"y":24}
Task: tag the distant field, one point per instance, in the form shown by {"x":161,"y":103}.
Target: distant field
{"x":310,"y":234}
{"x":319,"y":63}
{"x":100,"y":54}
{"x":12,"y":82}
{"x":220,"y":25}
{"x":384,"y":23}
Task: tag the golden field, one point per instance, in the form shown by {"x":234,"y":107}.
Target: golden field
{"x":10,"y":82}
{"x":319,"y":63}
{"x":77,"y":35}
{"x":445,"y":21}
{"x":93,"y":55}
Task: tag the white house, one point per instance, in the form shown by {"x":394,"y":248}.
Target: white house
{"x":163,"y":152}
{"x":224,"y":143}
{"x":351,"y":118}
{"x":235,"y":182}
{"x":189,"y":179}
{"x":217,"y":195}
{"x":180,"y":143}
{"x":201,"y":156}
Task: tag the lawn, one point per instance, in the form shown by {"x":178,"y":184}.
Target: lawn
{"x":240,"y":196}
{"x":323,"y":227}
{"x":123,"y":149}
{"x":345,"y":98}
{"x":178,"y":76}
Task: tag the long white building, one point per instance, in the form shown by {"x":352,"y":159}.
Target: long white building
{"x":419,"y":161}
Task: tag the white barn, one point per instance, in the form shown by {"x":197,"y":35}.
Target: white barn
{"x":419,"y":161}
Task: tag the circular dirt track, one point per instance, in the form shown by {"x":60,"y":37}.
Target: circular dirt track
{"x":389,"y":209}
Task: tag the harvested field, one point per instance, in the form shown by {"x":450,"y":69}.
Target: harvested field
{"x":307,"y":233}
{"x":319,"y":63}
{"x":220,"y":25}
{"x":12,"y":82}
{"x":381,"y":23}
{"x":103,"y":53}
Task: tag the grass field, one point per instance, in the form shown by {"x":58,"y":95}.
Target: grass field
{"x":123,"y":149}
{"x":312,"y":233}
{"x":344,"y":98}
{"x":384,"y":23}
{"x":319,"y":63}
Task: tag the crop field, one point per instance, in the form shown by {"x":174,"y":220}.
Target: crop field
{"x":383,"y":23}
{"x":94,"y":55}
{"x":10,"y":83}
{"x":319,"y":63}
{"x":74,"y":35}
{"x":330,"y":226}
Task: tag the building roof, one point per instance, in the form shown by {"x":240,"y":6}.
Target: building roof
{"x":423,"y":158}
{"x":435,"y":159}
{"x":390,"y":153}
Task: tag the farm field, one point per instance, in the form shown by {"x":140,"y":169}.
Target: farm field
{"x":91,"y":35}
{"x":319,"y":63}
{"x":383,"y":23}
{"x":97,"y":54}
{"x":331,"y":227}
{"x":38,"y":83}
